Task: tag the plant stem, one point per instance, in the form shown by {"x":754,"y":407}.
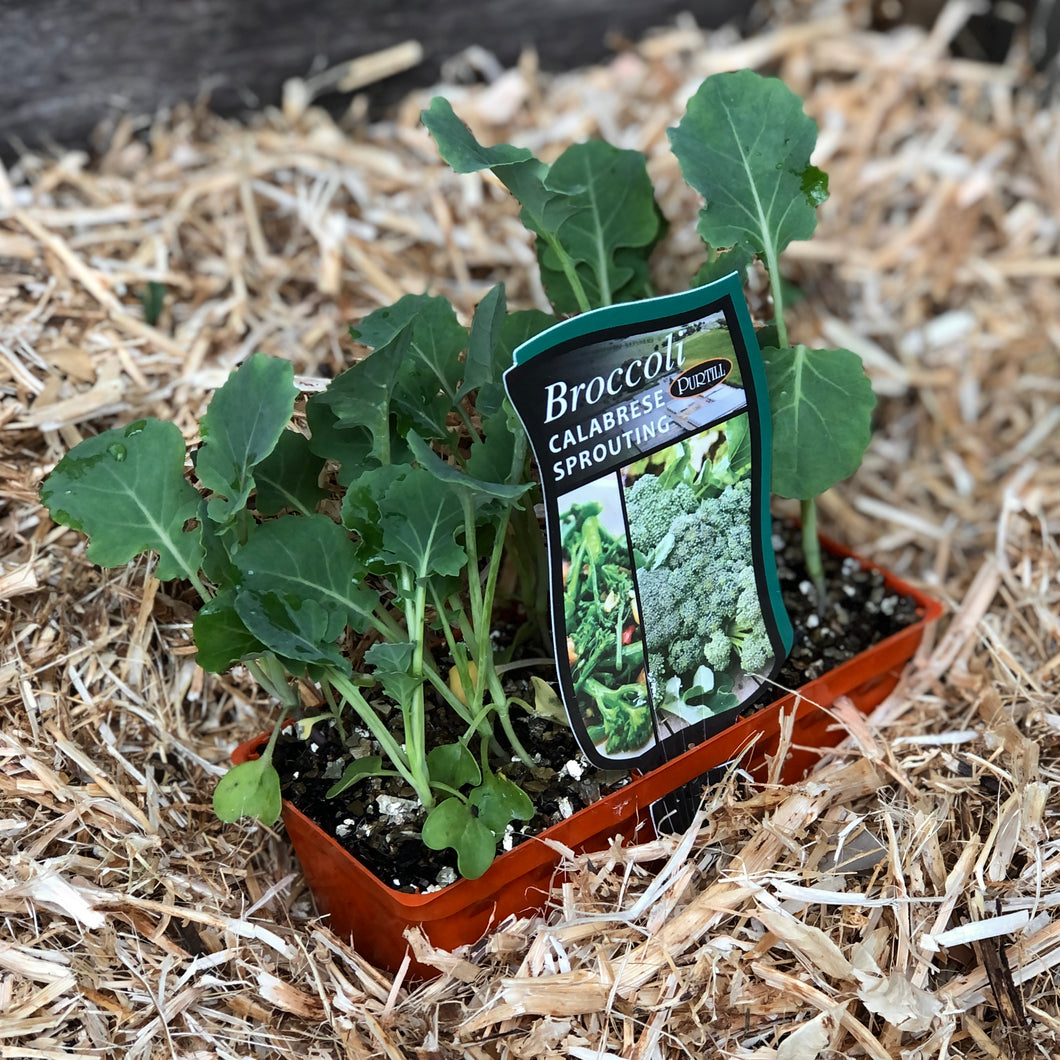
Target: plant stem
{"x":390,"y":747}
{"x":584,"y":305}
{"x":269,"y":673}
{"x":415,"y":712}
{"x":811,"y":545}
{"x":811,"y":549}
{"x":776,"y":290}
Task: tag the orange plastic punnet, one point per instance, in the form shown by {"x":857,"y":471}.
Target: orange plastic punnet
{"x":376,"y":916}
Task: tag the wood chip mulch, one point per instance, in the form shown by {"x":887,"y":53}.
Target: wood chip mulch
{"x":135,"y":925}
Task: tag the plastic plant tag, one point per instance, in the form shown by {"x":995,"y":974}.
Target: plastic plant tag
{"x":649,"y":425}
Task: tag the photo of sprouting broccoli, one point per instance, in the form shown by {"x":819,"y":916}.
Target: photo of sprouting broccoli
{"x":689,"y":521}
{"x":605,"y":648}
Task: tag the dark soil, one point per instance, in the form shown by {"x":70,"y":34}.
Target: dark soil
{"x":379,"y":820}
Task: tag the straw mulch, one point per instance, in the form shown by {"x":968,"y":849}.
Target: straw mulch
{"x":900,"y":903}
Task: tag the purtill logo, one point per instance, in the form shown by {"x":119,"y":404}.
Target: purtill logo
{"x":701,"y":377}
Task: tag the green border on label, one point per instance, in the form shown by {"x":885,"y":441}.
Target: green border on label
{"x":648,"y":309}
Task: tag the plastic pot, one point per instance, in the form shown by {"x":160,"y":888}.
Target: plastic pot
{"x":375,"y":915}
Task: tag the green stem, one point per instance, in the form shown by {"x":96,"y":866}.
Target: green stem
{"x":775,"y":288}
{"x":415,"y":595}
{"x":270,"y":674}
{"x":811,"y":548}
{"x":571,"y":273}
{"x":390,"y":747}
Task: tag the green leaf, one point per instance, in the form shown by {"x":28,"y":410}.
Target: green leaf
{"x":302,"y":631}
{"x":368,"y":766}
{"x":484,"y":339}
{"x":360,"y":511}
{"x":719,"y":264}
{"x":216,"y":562}
{"x":517,"y":328}
{"x":499,"y":802}
{"x":744,"y":144}
{"x":242,"y":425}
{"x":349,"y":446}
{"x":125,"y":489}
{"x":822,"y":404}
{"x":391,"y":664}
{"x":453,"y":764}
{"x":453,"y":824}
{"x":308,"y":558}
{"x":543,"y":210}
{"x":289,"y":477}
{"x":609,"y":227}
{"x":458,"y":146}
{"x":428,"y":367}
{"x":356,"y":406}
{"x":251,"y":789}
{"x":221,"y":638}
{"x":477,"y":489}
{"x":420,"y":516}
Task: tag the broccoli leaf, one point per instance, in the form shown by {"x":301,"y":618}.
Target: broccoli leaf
{"x":453,"y":764}
{"x":594,"y":207}
{"x":251,"y":789}
{"x":289,"y":477}
{"x":478,"y":489}
{"x":821,"y":407}
{"x":523,"y":175}
{"x":221,"y":636}
{"x":515,"y":330}
{"x":453,"y":824}
{"x":241,"y":427}
{"x":481,"y":366}
{"x":428,"y":368}
{"x":744,"y":144}
{"x":125,"y":489}
{"x":611,"y":225}
{"x":420,"y":516}
{"x":302,"y":630}
{"x":307,"y":558}
{"x":391,"y":665}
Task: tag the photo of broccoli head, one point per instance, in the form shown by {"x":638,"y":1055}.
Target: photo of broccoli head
{"x":691,"y":532}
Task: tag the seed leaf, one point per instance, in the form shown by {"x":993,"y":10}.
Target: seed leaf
{"x":453,"y":824}
{"x":822,"y":403}
{"x":453,"y":764}
{"x":251,"y":789}
{"x":367,"y":766}
{"x":125,"y":489}
{"x":499,"y":801}
{"x":241,"y":427}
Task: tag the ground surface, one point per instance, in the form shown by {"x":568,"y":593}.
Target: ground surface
{"x":136,"y":925}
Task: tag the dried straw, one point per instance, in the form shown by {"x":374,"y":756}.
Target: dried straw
{"x":902,"y":902}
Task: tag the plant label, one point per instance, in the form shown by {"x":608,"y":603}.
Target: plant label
{"x":649,"y":424}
